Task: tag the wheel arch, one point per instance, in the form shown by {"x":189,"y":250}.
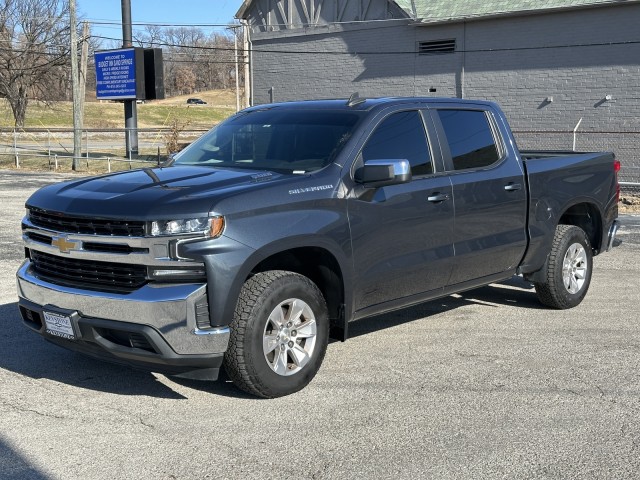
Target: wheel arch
{"x":588,"y":217}
{"x":319,"y":259}
{"x":323,"y":268}
{"x":582,"y":213}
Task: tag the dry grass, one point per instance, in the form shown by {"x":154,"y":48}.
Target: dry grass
{"x":106,"y":114}
{"x":629,"y":203}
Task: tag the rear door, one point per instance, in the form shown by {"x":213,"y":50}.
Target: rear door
{"x":489,"y":192}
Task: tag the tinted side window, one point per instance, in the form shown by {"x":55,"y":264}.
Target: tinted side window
{"x":401,"y":136}
{"x":470,"y":138}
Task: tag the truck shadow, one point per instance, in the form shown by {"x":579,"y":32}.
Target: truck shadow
{"x":514,"y":292}
{"x":17,"y":466}
{"x":26,"y":353}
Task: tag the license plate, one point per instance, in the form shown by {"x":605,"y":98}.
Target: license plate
{"x":59,"y":325}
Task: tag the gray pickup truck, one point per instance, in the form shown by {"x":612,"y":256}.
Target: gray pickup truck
{"x":269,"y":234}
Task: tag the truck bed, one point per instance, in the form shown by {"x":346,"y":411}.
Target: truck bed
{"x":557,"y":181}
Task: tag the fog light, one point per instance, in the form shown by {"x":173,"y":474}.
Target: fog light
{"x":177,"y":273}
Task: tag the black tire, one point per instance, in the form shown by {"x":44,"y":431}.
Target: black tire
{"x":247,"y":364}
{"x":562,"y":289}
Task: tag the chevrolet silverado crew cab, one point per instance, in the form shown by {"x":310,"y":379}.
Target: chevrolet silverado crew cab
{"x":274,"y":230}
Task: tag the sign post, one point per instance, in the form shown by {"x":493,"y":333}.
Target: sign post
{"x":120,"y":76}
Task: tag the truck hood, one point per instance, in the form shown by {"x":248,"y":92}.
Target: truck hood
{"x":151,"y":193}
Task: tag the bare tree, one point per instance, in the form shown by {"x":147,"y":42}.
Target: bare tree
{"x":184,"y":80}
{"x":193,"y":60}
{"x":34,"y":39}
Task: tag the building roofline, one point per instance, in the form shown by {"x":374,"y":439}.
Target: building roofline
{"x":464,"y":18}
{"x":520,"y":13}
{"x":247,"y":3}
{"x":243,"y":8}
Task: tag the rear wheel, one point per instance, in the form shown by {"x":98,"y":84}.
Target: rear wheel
{"x":568,"y":273}
{"x":279,"y":334}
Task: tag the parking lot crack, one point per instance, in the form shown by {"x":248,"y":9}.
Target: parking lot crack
{"x":148,"y":425}
{"x":21,"y":409}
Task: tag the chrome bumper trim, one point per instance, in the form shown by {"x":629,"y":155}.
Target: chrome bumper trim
{"x":213,"y":331}
{"x":169,"y":309}
{"x":612,"y":234}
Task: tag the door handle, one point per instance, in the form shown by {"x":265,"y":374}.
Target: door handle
{"x":438,"y":197}
{"x":512,"y":187}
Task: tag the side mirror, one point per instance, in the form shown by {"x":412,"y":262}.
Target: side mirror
{"x":380,"y":173}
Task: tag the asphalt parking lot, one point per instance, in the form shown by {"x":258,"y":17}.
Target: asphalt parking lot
{"x":487,"y":384}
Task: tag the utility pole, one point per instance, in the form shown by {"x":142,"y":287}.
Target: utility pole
{"x":84,"y":58}
{"x":75,"y":82}
{"x":130,"y":108}
{"x":245,"y":49}
{"x":235,"y":52}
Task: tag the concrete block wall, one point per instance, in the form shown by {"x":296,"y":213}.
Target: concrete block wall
{"x":575,"y":57}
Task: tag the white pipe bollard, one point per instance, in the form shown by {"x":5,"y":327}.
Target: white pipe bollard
{"x":15,"y":147}
{"x":575,"y":133}
{"x":55,"y":158}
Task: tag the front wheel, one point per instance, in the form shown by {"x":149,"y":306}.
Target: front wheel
{"x":568,"y":271}
{"x":279,"y":334}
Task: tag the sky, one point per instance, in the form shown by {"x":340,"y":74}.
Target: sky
{"x":171,"y":12}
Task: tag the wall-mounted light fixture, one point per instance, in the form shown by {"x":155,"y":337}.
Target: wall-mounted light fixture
{"x":548,"y":99}
{"x":608,"y":97}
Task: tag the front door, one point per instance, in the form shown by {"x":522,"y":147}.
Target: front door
{"x":401,"y":234}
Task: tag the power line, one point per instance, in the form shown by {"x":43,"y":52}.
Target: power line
{"x":412,"y":52}
{"x":167,"y":24}
{"x":237,"y":25}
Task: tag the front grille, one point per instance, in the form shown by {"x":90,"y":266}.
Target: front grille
{"x":88,"y":274}
{"x":86,"y":226}
{"x":91,"y":246}
{"x":36,"y":237}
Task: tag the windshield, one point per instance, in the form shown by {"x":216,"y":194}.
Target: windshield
{"x":286,"y":141}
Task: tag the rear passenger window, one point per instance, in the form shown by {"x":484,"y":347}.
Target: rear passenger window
{"x":401,"y":136}
{"x":470,"y":138}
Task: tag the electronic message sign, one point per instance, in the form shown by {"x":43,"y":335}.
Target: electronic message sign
{"x":120,"y":74}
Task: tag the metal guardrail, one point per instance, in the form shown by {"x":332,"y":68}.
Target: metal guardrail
{"x":56,"y":159}
{"x":108,"y":145}
{"x":101,"y":145}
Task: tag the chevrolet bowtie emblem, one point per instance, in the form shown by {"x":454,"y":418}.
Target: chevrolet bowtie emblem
{"x":64,"y":244}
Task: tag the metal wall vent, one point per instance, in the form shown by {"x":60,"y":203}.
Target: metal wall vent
{"x":437,"y":46}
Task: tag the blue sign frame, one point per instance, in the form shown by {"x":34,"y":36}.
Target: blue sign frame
{"x":117,"y":74}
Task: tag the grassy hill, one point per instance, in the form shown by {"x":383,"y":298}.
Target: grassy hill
{"x":106,"y":114}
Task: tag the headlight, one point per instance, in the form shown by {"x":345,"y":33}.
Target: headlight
{"x":210,"y":226}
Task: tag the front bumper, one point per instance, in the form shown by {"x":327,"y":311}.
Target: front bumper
{"x":153,"y":327}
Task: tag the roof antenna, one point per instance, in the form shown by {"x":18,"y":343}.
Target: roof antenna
{"x":355,"y":99}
